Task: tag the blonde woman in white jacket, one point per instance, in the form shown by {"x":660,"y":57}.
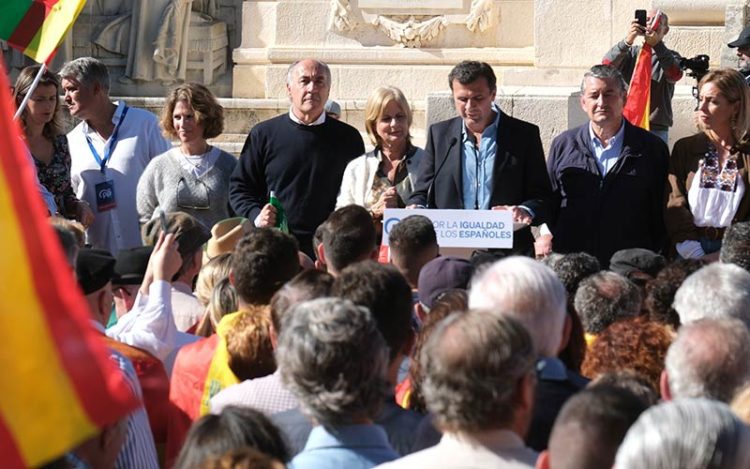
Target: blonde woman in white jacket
{"x":384,"y":177}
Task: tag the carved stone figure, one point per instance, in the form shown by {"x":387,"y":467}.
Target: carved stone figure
{"x":153,"y":35}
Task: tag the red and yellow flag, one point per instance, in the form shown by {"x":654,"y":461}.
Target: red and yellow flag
{"x":638,"y":106}
{"x":58,"y":385}
{"x":37,"y":27}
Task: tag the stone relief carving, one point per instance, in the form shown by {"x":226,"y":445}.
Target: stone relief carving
{"x":155,"y":37}
{"x":483,"y":15}
{"x":342,"y":17}
{"x":411,"y":33}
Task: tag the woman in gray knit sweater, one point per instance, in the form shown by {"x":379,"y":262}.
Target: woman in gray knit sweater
{"x":193,"y":177}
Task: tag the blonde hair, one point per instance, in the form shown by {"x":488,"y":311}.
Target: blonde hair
{"x":732,"y":86}
{"x":376,"y":104}
{"x":210,"y":275}
{"x":741,"y":404}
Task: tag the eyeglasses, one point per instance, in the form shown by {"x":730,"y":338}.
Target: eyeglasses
{"x":195,"y":196}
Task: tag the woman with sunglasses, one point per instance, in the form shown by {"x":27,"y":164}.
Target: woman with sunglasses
{"x":47,"y":143}
{"x":193,"y":177}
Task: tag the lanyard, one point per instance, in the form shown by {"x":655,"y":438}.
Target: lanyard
{"x":112,"y":142}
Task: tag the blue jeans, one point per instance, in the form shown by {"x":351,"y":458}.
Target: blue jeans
{"x":710,"y":245}
{"x":662,"y":134}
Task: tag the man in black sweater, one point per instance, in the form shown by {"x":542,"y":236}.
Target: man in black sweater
{"x":301,"y":156}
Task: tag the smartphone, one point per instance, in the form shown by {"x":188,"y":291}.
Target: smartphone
{"x":641,"y":16}
{"x":163,"y":220}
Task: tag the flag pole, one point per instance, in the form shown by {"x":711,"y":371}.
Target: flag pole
{"x":34,"y":84}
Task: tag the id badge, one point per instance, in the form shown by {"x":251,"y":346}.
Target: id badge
{"x":105,"y":196}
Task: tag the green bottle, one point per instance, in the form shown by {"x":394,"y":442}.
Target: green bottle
{"x":281,"y":222}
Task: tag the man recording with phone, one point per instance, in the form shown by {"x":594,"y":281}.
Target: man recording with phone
{"x":665,"y":69}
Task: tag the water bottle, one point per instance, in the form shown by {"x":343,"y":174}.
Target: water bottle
{"x":281,"y":222}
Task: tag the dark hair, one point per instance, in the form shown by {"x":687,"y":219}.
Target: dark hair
{"x":413,"y":243}
{"x":208,"y":111}
{"x":470,"y":71}
{"x":318,"y":238}
{"x":574,"y":352}
{"x":249,"y":349}
{"x":52,"y":128}
{"x":735,"y":248}
{"x":306,"y":285}
{"x":235,"y":427}
{"x":447,"y":304}
{"x":603,"y":298}
{"x":242,"y":458}
{"x":591,"y":425}
{"x":661,"y":290}
{"x":384,"y":291}
{"x":349,"y":236}
{"x":263,"y":260}
{"x":572,"y":268}
{"x":633,"y":382}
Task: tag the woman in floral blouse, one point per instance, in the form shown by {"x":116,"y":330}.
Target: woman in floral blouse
{"x":708,"y":179}
{"x":46,"y":142}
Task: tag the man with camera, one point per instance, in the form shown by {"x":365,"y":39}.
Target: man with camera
{"x":742,"y":43}
{"x":665,"y":68}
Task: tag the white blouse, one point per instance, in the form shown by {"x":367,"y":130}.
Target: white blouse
{"x":712,"y":206}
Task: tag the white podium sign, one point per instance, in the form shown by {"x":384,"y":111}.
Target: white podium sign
{"x":460,"y":228}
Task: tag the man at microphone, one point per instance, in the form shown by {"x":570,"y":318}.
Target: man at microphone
{"x":484,"y":159}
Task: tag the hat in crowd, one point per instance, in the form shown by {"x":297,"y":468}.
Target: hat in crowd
{"x":94,"y":269}
{"x":333,"y":108}
{"x":131,"y":265}
{"x":225,"y":235}
{"x":628,"y":261}
{"x":743,"y":40}
{"x":191,"y":234}
{"x":440,"y":275}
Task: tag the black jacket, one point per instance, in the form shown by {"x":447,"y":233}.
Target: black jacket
{"x":601,"y":215}
{"x":518,"y":177}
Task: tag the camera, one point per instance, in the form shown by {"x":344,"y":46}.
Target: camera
{"x":696,"y":67}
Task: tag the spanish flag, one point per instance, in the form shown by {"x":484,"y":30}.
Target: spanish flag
{"x":58,"y":385}
{"x":37,"y":27}
{"x":638,"y":106}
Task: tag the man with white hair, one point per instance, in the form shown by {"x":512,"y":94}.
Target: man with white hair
{"x":300,"y":155}
{"x":714,"y":291}
{"x":686,"y":434}
{"x":531,"y":293}
{"x":710,"y":358}
{"x":109,"y":150}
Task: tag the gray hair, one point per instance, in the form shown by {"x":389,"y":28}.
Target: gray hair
{"x":605,"y":297}
{"x":714,"y":291}
{"x":605,"y":72}
{"x":710,"y":358}
{"x":735,"y":247}
{"x":530,"y":292}
{"x":334,"y":360}
{"x":473,"y":363}
{"x":88,"y":71}
{"x":324,"y":66}
{"x":687,"y":433}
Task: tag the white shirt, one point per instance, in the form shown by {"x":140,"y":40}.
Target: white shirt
{"x":149,"y":325}
{"x":186,"y":309}
{"x":139,"y":139}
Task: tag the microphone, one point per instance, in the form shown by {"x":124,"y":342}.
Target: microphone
{"x":431,"y":188}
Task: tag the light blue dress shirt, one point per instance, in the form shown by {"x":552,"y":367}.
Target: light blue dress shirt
{"x":345,"y":446}
{"x":606,"y":157}
{"x":477,"y":164}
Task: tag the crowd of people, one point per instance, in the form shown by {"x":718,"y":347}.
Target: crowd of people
{"x":250,"y":307}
